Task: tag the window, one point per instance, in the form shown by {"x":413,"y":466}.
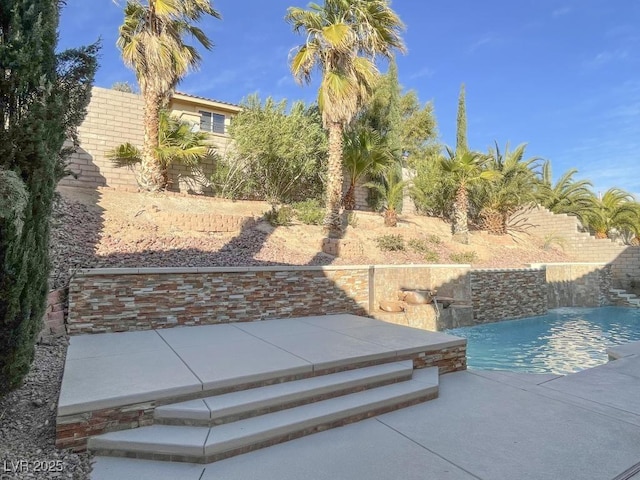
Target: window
{"x":212,"y":122}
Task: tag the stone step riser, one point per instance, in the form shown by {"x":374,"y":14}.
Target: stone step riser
{"x":276,"y":407}
{"x":249,"y":444}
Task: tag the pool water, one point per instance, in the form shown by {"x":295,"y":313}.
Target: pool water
{"x":564,"y":341}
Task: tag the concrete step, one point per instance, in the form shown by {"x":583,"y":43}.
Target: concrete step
{"x":210,"y":444}
{"x":628,"y":296}
{"x":234,"y":406}
{"x":617,"y":290}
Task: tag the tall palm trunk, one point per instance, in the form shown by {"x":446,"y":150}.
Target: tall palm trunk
{"x":332,"y":221}
{"x":349,"y":200}
{"x":151,"y":177}
{"x":460,"y":213}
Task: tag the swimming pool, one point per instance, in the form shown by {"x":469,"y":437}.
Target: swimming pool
{"x":564,"y":341}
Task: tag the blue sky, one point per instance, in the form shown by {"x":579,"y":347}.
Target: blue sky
{"x":560,"y":75}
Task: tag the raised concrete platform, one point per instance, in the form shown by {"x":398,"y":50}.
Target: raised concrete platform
{"x":484,"y":425}
{"x":116,"y":381}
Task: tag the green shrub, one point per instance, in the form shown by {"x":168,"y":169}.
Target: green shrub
{"x":464,"y":257}
{"x":431,"y":257}
{"x":419,"y":245}
{"x":309,"y":212}
{"x":280,"y":217}
{"x":435,"y":239}
{"x":391,"y":243}
{"x":552,"y":239}
{"x":44,"y":97}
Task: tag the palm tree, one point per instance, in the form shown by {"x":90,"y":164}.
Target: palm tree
{"x":390,"y":187}
{"x":366,"y":153}
{"x":152,"y":41}
{"x":573,"y":197}
{"x":616,"y":210}
{"x":466,"y":169}
{"x":498,"y":200}
{"x":343,"y":38}
{"x":177,"y":143}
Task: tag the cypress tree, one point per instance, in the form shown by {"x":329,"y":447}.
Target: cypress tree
{"x":43,"y":98}
{"x":461,"y":124}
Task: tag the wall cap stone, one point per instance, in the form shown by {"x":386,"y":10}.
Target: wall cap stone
{"x":506,"y":270}
{"x":423,"y":265}
{"x":567,"y":264}
{"x":84,"y":272}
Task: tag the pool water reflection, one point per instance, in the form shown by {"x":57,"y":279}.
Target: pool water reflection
{"x":564,"y":341}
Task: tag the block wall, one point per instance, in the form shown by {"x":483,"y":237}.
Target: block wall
{"x":578,"y":284}
{"x":581,"y":246}
{"x":114,"y":118}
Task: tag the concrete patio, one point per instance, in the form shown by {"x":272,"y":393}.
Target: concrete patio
{"x":484,"y":425}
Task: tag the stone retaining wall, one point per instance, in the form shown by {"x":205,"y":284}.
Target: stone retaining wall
{"x":112,"y":300}
{"x":55,"y":314}
{"x":204,"y":222}
{"x":507,"y":294}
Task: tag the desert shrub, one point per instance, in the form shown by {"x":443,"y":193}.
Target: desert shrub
{"x":280,"y":217}
{"x":391,"y":243}
{"x":434,"y":239}
{"x":553,"y":239}
{"x":423,"y":247}
{"x":464,"y":257}
{"x":419,"y":245}
{"x":431,"y":256}
{"x":283,"y":150}
{"x":230,"y":178}
{"x":309,"y":212}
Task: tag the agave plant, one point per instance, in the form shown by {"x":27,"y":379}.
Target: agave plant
{"x":177,"y":143}
{"x":390,"y":187}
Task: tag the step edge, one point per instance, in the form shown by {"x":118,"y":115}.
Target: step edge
{"x":102,"y":443}
{"x":168,"y":412}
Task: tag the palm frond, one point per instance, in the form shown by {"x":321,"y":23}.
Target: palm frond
{"x":125,"y":155}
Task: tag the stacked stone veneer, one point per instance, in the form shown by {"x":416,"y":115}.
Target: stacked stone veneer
{"x":113,"y":300}
{"x":53,"y":321}
{"x":581,"y":246}
{"x":141,"y":299}
{"x":508,"y":293}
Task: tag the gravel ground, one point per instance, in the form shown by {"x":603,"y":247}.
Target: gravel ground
{"x":27,"y":424}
